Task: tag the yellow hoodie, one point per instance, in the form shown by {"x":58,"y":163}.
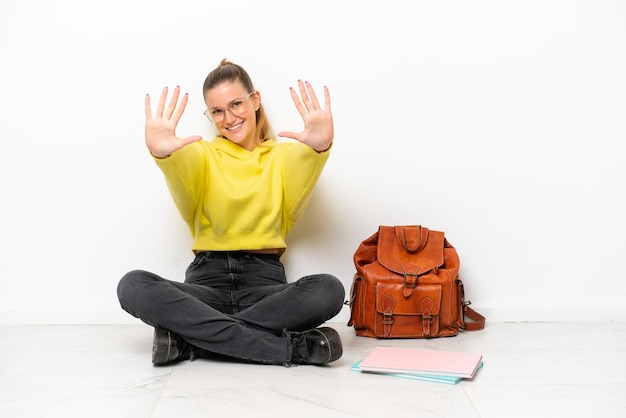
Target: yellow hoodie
{"x":235,"y":199}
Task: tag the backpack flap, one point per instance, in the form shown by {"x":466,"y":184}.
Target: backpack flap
{"x":410,"y":251}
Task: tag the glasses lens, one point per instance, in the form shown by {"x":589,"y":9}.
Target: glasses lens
{"x":215,"y":115}
{"x":236,"y":108}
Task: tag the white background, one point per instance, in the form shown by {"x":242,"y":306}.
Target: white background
{"x":498,"y":122}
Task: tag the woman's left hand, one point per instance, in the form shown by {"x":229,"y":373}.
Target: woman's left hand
{"x":318,"y":123}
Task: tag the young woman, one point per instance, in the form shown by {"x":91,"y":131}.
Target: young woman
{"x":240,"y":194}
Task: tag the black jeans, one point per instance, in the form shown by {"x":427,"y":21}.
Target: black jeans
{"x":236,"y":304}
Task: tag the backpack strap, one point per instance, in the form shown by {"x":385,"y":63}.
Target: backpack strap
{"x":477,"y":320}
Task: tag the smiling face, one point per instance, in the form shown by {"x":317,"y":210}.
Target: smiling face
{"x":234,"y":110}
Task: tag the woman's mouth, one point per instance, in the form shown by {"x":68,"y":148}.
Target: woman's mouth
{"x":234,"y":128}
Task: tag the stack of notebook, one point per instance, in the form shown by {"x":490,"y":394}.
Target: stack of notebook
{"x":434,"y":366}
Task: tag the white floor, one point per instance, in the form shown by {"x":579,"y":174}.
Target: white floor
{"x":530,"y":370}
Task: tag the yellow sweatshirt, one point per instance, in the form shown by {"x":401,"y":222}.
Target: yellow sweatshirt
{"x":235,"y":199}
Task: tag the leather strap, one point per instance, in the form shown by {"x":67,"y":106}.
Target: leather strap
{"x":412,"y":238}
{"x":478,"y":321}
{"x":388,"y":304}
{"x":427,"y":306}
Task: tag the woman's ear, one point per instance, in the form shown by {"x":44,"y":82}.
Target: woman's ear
{"x":257,"y":100}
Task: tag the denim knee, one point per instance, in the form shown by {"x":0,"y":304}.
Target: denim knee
{"x":328,"y":292}
{"x":129,"y":286}
{"x":334,"y":289}
{"x":336,"y":292}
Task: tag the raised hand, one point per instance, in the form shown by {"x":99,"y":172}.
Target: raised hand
{"x":318,"y":123}
{"x":161,"y":137}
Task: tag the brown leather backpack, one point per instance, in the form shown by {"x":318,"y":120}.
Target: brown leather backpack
{"x":407,"y":286}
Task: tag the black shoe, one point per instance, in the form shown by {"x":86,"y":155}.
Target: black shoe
{"x":317,"y":346}
{"x":168,"y":347}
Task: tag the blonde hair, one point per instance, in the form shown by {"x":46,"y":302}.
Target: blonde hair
{"x":231,"y":72}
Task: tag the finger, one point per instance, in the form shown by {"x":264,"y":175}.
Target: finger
{"x":181,"y":108}
{"x":147,"y":107}
{"x":289,"y":134}
{"x":312,"y":95}
{"x":161,"y":105}
{"x":173,"y":103}
{"x":305,"y":96}
{"x":297,"y":102}
{"x":326,"y":99}
{"x":190,"y":139}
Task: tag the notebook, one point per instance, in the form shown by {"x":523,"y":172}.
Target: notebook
{"x":421,"y":362}
{"x":449,"y":380}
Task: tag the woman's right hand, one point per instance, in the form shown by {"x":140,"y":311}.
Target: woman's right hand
{"x":161,"y":137}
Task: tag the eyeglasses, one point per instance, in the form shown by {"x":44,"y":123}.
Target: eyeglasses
{"x":236,"y":108}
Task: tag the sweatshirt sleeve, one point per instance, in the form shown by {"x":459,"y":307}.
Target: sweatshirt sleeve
{"x":302,"y":169}
{"x":185,"y":173}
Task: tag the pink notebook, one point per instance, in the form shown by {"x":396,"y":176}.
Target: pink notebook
{"x":434,"y":363}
